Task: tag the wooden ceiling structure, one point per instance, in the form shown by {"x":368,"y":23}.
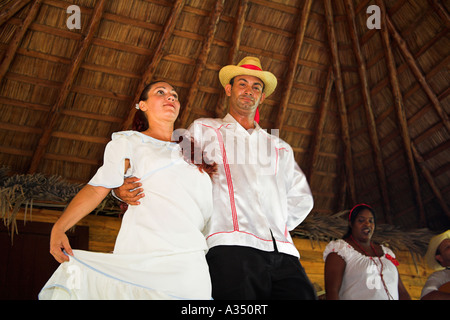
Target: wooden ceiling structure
{"x":365,"y":110}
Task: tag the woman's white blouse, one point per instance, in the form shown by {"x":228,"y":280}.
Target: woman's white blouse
{"x":178,"y":197}
{"x":160,"y":250}
{"x":361,"y":279}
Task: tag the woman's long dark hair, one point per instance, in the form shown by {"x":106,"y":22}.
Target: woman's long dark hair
{"x":190,"y":152}
{"x":140,"y":122}
{"x":354,"y":213}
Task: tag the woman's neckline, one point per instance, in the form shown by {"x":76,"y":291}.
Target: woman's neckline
{"x":363,"y":254}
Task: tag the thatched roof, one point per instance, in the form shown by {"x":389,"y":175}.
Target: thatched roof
{"x":366,"y":110}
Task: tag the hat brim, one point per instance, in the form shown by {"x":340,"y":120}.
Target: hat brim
{"x":430,"y":256}
{"x":229,"y":72}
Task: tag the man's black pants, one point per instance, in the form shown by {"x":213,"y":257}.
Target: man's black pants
{"x":239,"y":273}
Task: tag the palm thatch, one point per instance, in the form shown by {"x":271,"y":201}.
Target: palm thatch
{"x":323,"y":227}
{"x":25,"y":191}
{"x":365,"y":110}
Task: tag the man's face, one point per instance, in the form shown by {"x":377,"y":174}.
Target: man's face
{"x":245,"y":94}
{"x":444,"y":257}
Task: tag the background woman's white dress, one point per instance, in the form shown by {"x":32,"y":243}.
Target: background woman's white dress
{"x":361,"y":279}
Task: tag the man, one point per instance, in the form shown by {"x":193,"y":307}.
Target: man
{"x":259,"y":195}
{"x":437,"y":286}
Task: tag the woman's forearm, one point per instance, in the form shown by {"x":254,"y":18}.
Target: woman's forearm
{"x":86,"y":200}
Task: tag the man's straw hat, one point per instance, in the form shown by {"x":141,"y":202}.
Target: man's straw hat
{"x":432,"y":247}
{"x":249,"y":66}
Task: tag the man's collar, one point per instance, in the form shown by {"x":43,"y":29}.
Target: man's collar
{"x":230,"y":119}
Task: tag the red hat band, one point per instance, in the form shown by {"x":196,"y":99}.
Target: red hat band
{"x":251,"y":67}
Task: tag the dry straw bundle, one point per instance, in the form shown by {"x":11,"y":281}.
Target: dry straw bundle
{"x":28,"y":190}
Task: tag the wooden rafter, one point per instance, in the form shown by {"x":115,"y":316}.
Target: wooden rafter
{"x":128,"y":49}
{"x":441,"y":11}
{"x":67,"y":85}
{"x":201,"y":61}
{"x":11,"y":9}
{"x":401,"y":117}
{"x":156,"y":59}
{"x":18,"y":36}
{"x":339,"y":87}
{"x":370,"y":119}
{"x":417,"y":72}
{"x":236,"y":41}
{"x":293,"y":62}
{"x":317,"y":139}
{"x":429,"y":177}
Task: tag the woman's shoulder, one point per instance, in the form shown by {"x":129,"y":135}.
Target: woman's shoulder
{"x":339,"y":246}
{"x":136,"y":137}
{"x":385,"y":249}
{"x":124,"y":134}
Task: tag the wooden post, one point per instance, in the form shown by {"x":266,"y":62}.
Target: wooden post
{"x":148,"y":74}
{"x":399,"y":108}
{"x":11,"y":9}
{"x":67,"y":85}
{"x":339,"y":87}
{"x":317,"y":139}
{"x":18,"y":36}
{"x":293,"y":62}
{"x":417,"y":72}
{"x":201,"y":62}
{"x":238,"y":26}
{"x":426,"y":173}
{"x":378,"y":159}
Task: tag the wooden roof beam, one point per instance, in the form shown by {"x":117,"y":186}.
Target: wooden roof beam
{"x":11,"y":9}
{"x":441,"y":11}
{"x":429,"y":177}
{"x":339,"y":87}
{"x":317,"y":139}
{"x":67,"y":85}
{"x":157,"y":56}
{"x":18,"y":36}
{"x":201,"y":62}
{"x":293,"y":63}
{"x":371,"y":126}
{"x":236,"y":41}
{"x":401,"y":117}
{"x":417,"y":72}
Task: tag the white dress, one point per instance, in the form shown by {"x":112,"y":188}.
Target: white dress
{"x":160,"y":249}
{"x":435,"y":281}
{"x":361,"y":279}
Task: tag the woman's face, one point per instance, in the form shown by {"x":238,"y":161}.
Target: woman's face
{"x":363,"y":226}
{"x":162,"y":103}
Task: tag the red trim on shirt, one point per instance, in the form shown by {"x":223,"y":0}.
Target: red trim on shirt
{"x":228,"y":176}
{"x":277,"y":152}
{"x":231,"y":189}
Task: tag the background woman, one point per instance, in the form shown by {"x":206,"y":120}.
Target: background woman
{"x":160,"y":249}
{"x":358,"y":269}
